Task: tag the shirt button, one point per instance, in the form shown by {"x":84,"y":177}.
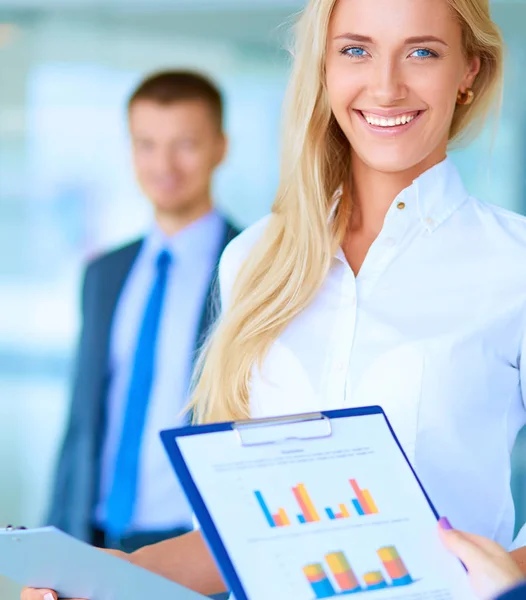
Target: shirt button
{"x":390,"y":242}
{"x":430,"y":221}
{"x":341,"y":366}
{"x":400,"y":206}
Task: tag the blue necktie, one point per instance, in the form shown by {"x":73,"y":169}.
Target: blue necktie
{"x":121,"y":501}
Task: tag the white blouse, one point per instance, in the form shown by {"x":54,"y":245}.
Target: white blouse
{"x":432,"y":330}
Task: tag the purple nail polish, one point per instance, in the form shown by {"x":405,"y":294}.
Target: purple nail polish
{"x":445,"y":524}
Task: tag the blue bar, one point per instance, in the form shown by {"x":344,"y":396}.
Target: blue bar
{"x":323,"y":589}
{"x":301,"y":519}
{"x":378,"y":586}
{"x":406,"y":580}
{"x":330,"y":514}
{"x":265,"y":509}
{"x":358,"y":508}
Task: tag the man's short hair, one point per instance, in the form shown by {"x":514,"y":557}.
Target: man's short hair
{"x":170,"y":87}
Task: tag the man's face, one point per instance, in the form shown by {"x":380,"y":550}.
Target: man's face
{"x":176,"y":148}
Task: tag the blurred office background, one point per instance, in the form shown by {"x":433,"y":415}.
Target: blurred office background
{"x":67,"y":189}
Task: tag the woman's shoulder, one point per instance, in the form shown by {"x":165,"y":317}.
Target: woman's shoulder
{"x":503,"y":216}
{"x":503,"y":223}
{"x":239,"y":248}
{"x":235,"y":255}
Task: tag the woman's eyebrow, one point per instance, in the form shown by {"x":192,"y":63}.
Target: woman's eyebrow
{"x":422,"y":39}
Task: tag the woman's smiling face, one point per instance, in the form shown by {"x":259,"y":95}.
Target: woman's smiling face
{"x":393,"y":70}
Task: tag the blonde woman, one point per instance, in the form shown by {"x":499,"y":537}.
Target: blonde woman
{"x":378,"y":279}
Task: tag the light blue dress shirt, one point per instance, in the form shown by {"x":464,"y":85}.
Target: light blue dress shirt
{"x":161,"y":504}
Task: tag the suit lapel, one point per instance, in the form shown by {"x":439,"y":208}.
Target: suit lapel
{"x":113,"y":279}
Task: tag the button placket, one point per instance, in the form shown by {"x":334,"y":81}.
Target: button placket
{"x":343,"y":336}
{"x":385,"y":247}
{"x":348,"y":340}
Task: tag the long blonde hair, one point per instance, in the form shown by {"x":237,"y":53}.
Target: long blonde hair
{"x":289,"y":263}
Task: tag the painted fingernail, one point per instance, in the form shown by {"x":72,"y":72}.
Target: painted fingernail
{"x":49,"y":596}
{"x":443,"y":522}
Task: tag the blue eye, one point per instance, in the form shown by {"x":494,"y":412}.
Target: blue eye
{"x":423,"y":53}
{"x":355,"y":52}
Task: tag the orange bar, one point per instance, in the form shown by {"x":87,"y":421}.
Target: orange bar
{"x":277,"y":520}
{"x":360,"y":497}
{"x":394,"y":570}
{"x":308,"y":502}
{"x":347,"y":581}
{"x":284,"y":519}
{"x":345,"y":512}
{"x":402,"y":567}
{"x":370,"y":501}
{"x":303,"y":506}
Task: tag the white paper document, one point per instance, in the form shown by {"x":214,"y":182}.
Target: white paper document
{"x":319,"y":518}
{"x":48,"y":558}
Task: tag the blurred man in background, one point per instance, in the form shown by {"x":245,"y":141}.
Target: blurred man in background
{"x":146,"y":310}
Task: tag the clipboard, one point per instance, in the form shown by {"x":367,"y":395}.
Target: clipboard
{"x":50,"y":559}
{"x":331,"y":569}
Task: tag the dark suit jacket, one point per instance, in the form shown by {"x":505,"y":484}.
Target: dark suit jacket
{"x":517,"y":593}
{"x":78,"y":472}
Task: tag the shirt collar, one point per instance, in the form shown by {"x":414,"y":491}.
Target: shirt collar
{"x":200,"y":239}
{"x":430,"y":200}
{"x":436,"y":194}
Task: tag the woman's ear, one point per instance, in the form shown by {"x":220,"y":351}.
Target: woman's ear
{"x":473,"y":69}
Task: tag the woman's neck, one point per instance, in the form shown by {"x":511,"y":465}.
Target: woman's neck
{"x":374,"y":191}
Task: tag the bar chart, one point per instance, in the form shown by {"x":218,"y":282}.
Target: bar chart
{"x":278,"y":519}
{"x":362,"y":505}
{"x":309,"y":513}
{"x":343,"y":580}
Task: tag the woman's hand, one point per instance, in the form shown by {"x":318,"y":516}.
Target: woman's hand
{"x":491,"y":569}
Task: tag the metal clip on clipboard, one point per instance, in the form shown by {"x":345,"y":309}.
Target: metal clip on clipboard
{"x":11,"y":529}
{"x":278,"y":430}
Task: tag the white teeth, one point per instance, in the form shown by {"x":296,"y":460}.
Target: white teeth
{"x":388,"y":121}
